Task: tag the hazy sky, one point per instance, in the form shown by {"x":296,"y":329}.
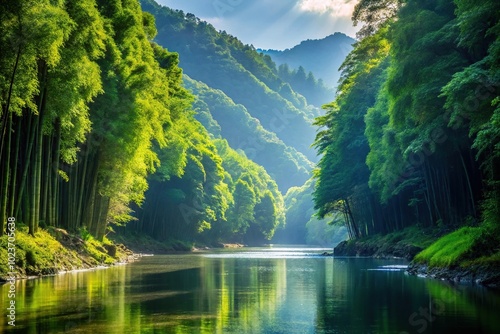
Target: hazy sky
{"x":273,"y":24}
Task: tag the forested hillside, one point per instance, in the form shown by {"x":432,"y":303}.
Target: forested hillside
{"x":413,"y":136}
{"x":251,"y":79}
{"x":302,"y":226}
{"x":322,"y":57}
{"x":243,"y":97}
{"x":225,"y":119}
{"x":95,"y":122}
{"x":315,"y":91}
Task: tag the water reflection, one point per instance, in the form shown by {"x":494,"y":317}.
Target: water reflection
{"x":251,"y":291}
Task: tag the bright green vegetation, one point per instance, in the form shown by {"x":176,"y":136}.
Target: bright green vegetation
{"x":225,"y":119}
{"x":221,"y":195}
{"x":98,"y":130}
{"x":54,"y":250}
{"x":413,"y":136}
{"x":466,"y":246}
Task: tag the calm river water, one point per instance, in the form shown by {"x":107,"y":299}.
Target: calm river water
{"x":254,"y":290}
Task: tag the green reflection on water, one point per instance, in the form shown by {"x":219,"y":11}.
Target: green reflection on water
{"x":243,"y":293}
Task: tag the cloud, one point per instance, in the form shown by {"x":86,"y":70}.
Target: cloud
{"x":274,"y":24}
{"x":332,"y":7}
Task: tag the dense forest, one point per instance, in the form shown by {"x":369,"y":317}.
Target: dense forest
{"x":242,"y":96}
{"x":101,"y":127}
{"x":413,"y":136}
{"x":97,"y":129}
{"x":225,"y":119}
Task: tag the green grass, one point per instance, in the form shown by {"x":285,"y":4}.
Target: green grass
{"x":455,"y":248}
{"x":54,"y":250}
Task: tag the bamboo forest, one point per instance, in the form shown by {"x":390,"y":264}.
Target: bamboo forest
{"x":230,"y":166}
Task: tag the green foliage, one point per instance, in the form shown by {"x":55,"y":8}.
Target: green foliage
{"x":302,"y":227}
{"x":49,"y":252}
{"x":218,"y":112}
{"x":257,"y":208}
{"x":247,"y":77}
{"x":97,"y":116}
{"x":342,"y":175}
{"x":453,"y":248}
{"x":424,"y":77}
{"x":374,"y":14}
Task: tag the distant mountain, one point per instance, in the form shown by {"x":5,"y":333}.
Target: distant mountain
{"x":240,"y":95}
{"x":322,"y":57}
{"x":251,"y":79}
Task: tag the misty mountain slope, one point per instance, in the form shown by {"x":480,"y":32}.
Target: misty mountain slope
{"x":322,"y":57}
{"x":247,"y":77}
{"x":225,"y":119}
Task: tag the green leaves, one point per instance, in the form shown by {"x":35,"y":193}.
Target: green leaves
{"x":257,"y":208}
{"x":424,"y":74}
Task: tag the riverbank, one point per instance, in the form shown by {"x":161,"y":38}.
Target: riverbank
{"x":144,"y":244}
{"x":402,"y":244}
{"x":54,"y":250}
{"x":466,"y":255}
{"x":482,"y":274}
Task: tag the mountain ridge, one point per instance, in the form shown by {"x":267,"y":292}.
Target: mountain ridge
{"x":248,"y":79}
{"x":320,"y":62}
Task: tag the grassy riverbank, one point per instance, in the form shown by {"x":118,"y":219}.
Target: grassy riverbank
{"x":468,"y":254}
{"x":464,"y":247}
{"x":55,"y":250}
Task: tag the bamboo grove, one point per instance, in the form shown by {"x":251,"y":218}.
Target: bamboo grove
{"x":94,"y":112}
{"x":413,"y":136}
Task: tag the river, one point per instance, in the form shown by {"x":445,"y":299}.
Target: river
{"x":251,"y":290}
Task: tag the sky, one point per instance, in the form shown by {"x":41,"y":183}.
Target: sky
{"x":273,"y":24}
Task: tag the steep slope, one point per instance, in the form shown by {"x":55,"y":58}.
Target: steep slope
{"x":322,"y":57}
{"x":247,"y":77}
{"x":225,"y":119}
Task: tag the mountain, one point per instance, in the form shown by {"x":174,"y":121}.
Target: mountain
{"x":322,"y":57}
{"x":225,"y":119}
{"x":236,"y":82}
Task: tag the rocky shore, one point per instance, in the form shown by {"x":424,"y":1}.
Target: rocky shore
{"x":485,"y":275}
{"x":475,"y":274}
{"x":381,"y":250}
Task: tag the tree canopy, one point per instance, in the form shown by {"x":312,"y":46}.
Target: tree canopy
{"x":412,"y":136}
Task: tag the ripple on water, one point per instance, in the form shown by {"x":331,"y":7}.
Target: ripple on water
{"x":391,"y":267}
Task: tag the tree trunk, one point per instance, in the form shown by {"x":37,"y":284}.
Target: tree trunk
{"x":4,"y":192}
